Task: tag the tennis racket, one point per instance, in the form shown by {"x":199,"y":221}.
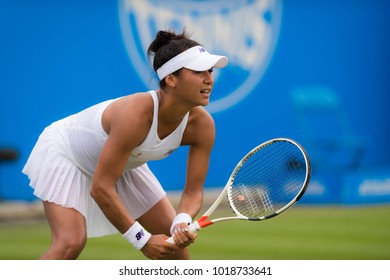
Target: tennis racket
{"x":270,"y":179}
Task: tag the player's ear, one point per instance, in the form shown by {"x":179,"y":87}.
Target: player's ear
{"x":171,"y":80}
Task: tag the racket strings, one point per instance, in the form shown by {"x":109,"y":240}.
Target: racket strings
{"x":268,"y":179}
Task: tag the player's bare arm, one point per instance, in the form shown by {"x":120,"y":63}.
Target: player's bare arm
{"x":200,"y":135}
{"x":127,"y":122}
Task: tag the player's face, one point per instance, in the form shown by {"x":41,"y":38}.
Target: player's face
{"x":195,"y":86}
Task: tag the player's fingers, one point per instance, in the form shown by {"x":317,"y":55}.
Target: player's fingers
{"x":178,"y":235}
{"x":165,"y":255}
{"x":168,"y":250}
{"x":182,"y":239}
{"x":190,"y":235}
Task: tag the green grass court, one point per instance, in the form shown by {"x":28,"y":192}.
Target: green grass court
{"x":302,"y":233}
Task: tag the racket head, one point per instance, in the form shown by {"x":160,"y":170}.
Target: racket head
{"x":269,"y":179}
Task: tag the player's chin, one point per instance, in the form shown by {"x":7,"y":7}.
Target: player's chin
{"x":204,"y":104}
{"x":205,"y":100}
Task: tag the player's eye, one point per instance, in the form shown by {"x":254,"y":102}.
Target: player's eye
{"x":201,"y":72}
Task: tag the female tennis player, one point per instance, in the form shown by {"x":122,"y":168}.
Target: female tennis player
{"x":90,"y":169}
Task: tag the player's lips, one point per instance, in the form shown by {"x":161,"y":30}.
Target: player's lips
{"x":205,"y":91}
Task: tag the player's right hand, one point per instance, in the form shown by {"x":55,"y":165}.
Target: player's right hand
{"x":157,"y":248}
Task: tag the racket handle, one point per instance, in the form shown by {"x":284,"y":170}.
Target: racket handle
{"x":194,"y":227}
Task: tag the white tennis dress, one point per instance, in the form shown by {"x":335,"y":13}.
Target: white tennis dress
{"x":63,"y":160}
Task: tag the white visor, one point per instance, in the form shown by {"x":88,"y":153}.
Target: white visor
{"x":195,"y":58}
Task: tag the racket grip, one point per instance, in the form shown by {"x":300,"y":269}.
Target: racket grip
{"x":194,"y":227}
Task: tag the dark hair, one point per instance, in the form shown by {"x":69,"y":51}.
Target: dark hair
{"x":167,"y":45}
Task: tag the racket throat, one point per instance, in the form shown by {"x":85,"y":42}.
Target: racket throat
{"x":202,"y":223}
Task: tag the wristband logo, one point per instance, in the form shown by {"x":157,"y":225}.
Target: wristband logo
{"x":140,"y":234}
{"x":245,"y":31}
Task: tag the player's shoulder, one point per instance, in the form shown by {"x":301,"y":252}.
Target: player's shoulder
{"x":135,"y":104}
{"x":200,"y":117}
{"x":200,"y":129}
{"x":135,"y":109}
{"x":139,"y":100}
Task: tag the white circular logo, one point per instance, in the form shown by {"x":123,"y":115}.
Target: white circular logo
{"x":245,"y":31}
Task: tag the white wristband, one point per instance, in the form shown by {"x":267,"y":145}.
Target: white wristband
{"x":181,"y":218}
{"x":137,"y":236}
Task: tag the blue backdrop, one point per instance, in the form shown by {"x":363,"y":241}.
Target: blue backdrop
{"x":58,"y":57}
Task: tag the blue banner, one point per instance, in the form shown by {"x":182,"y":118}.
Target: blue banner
{"x":59,"y":57}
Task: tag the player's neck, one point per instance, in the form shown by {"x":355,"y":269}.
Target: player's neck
{"x":171,"y":110}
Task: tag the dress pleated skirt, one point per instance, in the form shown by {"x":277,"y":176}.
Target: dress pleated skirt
{"x":55,"y":177}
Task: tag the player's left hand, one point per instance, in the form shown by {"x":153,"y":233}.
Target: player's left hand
{"x":182,"y":236}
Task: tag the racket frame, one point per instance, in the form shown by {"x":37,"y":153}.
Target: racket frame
{"x":203,"y":222}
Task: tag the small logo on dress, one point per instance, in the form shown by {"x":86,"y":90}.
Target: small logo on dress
{"x":169,"y":152}
{"x":136,"y":155}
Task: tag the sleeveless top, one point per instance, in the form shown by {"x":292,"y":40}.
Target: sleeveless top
{"x":87,"y":137}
